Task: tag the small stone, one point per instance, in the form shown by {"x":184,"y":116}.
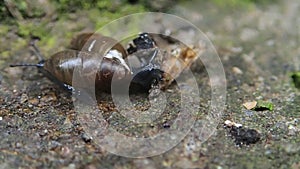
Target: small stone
{"x":18,"y":145}
{"x":296,"y":165}
{"x":291,"y":148}
{"x":292,"y":130}
{"x":53,"y":145}
{"x":91,"y":166}
{"x":270,"y":42}
{"x":24,"y":98}
{"x":43,"y":133}
{"x":250,"y":105}
{"x":65,"y":151}
{"x":249,"y":113}
{"x":248,"y":34}
{"x":86,"y":138}
{"x":237,"y":70}
{"x":67,"y":124}
{"x":34,"y":101}
{"x":274,"y":78}
{"x":229,"y":123}
{"x":237,"y":49}
{"x":166,"y":125}
{"x":184,"y":163}
{"x":244,"y":135}
{"x":70,"y":166}
{"x":49,"y":97}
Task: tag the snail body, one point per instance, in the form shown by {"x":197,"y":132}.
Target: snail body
{"x":101,"y":59}
{"x":93,"y":52}
{"x":61,"y":66}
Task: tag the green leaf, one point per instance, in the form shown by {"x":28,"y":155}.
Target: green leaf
{"x":264,"y":105}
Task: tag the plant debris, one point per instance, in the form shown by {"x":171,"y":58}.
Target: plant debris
{"x":250,"y":105}
{"x":259,"y":105}
{"x":264,"y":105}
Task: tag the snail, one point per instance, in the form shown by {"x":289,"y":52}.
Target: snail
{"x":94,"y":52}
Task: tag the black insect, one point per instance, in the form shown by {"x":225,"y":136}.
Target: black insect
{"x":94,"y":52}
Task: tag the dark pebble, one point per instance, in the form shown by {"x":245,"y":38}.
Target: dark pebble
{"x":86,"y":138}
{"x":244,"y":136}
{"x":166,"y":125}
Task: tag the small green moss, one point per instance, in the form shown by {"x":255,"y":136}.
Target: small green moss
{"x":27,"y":29}
{"x":4,"y":14}
{"x":3,"y":30}
{"x":25,"y":9}
{"x":21,"y":5}
{"x":5,"y":54}
{"x":296,"y":79}
{"x":102,"y":17}
{"x":19,"y":44}
{"x":24,"y":29}
{"x":50,"y":41}
{"x":234,"y":3}
{"x":103,"y":4}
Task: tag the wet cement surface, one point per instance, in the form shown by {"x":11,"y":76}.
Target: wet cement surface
{"x":258,"y":47}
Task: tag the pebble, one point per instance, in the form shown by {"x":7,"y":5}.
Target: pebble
{"x":248,"y":34}
{"x":144,"y":163}
{"x":67,"y":124}
{"x":270,"y":42}
{"x":296,"y":165}
{"x":43,"y":133}
{"x":49,"y":97}
{"x":292,"y":130}
{"x":54,"y":144}
{"x":229,"y":123}
{"x":33,"y":101}
{"x":274,"y":78}
{"x":291,"y":148}
{"x":70,"y":166}
{"x":65,"y":151}
{"x":248,"y":113}
{"x":237,"y":70}
{"x":166,"y":125}
{"x":86,"y":137}
{"x":236,"y":49}
{"x":184,"y":163}
{"x":18,"y":145}
{"x":24,"y":98}
{"x":244,"y":135}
